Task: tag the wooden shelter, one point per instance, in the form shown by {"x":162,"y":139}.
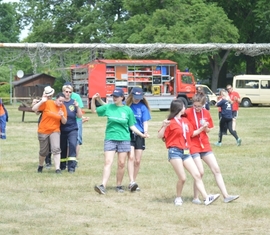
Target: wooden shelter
{"x":31,"y":86}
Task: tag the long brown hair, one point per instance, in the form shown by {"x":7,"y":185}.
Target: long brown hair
{"x":175,"y":107}
{"x":129,"y":101}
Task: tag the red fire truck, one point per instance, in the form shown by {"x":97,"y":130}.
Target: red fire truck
{"x":160,"y":80}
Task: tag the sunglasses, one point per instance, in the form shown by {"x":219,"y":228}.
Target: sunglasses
{"x":68,"y":92}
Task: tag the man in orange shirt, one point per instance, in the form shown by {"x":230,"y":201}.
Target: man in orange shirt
{"x":235,"y":98}
{"x":53,"y":113}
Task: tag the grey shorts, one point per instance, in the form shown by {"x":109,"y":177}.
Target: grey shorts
{"x":201,"y":154}
{"x":117,"y":146}
{"x":176,"y":153}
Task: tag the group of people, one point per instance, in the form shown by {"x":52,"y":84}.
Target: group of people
{"x":126,"y":130}
{"x":59,"y":128}
{"x":184,"y":133}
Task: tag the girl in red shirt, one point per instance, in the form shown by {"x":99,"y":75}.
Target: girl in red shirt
{"x":201,"y":148}
{"x":176,"y":131}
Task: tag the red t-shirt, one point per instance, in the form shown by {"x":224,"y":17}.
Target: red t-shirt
{"x":235,"y":104}
{"x":200,"y":143}
{"x":174,"y":134}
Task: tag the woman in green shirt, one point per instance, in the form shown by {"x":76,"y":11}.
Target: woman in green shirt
{"x":120,"y":119}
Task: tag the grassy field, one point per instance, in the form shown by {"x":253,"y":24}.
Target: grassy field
{"x":32,"y":203}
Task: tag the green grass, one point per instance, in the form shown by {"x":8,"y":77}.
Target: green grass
{"x":47,"y":203}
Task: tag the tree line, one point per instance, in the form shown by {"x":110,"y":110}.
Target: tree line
{"x":147,"y":21}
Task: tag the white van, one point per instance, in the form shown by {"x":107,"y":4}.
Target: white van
{"x":253,"y":89}
{"x":212,"y":96}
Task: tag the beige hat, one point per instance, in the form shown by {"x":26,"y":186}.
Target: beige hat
{"x":48,"y":91}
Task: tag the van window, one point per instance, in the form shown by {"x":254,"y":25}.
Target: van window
{"x":265,"y":84}
{"x":254,"y":84}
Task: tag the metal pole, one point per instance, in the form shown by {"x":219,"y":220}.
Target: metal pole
{"x":10,"y":83}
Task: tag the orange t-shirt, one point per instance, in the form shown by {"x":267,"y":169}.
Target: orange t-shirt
{"x":2,"y":111}
{"x":50,"y":120}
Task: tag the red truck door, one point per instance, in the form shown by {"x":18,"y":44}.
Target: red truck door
{"x":97,"y":80}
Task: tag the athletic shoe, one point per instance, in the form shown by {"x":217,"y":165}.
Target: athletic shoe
{"x":138,"y":189}
{"x":197,"y":201}
{"x":239,"y":141}
{"x":178,"y":201}
{"x":230,"y":198}
{"x":58,"y":171}
{"x":218,"y":144}
{"x":133,"y":186}
{"x":40,"y":168}
{"x":100,"y":189}
{"x":210,"y":199}
{"x":48,"y":166}
{"x":119,"y":189}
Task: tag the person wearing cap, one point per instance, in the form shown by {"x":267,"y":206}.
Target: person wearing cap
{"x":80,"y":120}
{"x":141,"y":110}
{"x":3,"y":120}
{"x":48,"y":91}
{"x":69,"y":132}
{"x":120,"y":119}
{"x":53,"y":113}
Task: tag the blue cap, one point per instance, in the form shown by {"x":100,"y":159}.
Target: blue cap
{"x":67,"y":84}
{"x":118,"y":92}
{"x":137,"y":93}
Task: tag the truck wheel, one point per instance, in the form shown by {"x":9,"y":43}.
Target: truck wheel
{"x":184,"y":101}
{"x":246,"y":103}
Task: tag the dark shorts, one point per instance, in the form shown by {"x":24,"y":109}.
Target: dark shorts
{"x":137,"y":141}
{"x":234,"y":114}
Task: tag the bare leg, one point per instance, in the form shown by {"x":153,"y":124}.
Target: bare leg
{"x":211,"y":161}
{"x":130,"y":164}
{"x":108,"y":160}
{"x":121,"y":168}
{"x":199,"y":165}
{"x":41,"y":160}
{"x":137,"y":162}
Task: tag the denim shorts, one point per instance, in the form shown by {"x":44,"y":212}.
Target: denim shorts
{"x":117,"y":146}
{"x":201,"y":154}
{"x":176,"y":153}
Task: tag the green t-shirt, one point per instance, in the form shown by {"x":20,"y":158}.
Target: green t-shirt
{"x":78,"y":98}
{"x":119,"y":119}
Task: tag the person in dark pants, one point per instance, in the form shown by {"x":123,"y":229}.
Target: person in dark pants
{"x":69,"y":131}
{"x":225,"y":104}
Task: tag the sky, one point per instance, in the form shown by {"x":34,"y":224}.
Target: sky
{"x":24,"y":32}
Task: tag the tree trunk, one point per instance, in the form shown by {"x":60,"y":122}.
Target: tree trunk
{"x":250,"y":65}
{"x":216,"y":63}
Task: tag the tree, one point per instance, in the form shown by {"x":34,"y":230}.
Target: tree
{"x":9,"y":28}
{"x":178,"y":22}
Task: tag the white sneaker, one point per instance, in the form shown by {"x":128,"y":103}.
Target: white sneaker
{"x":230,"y":198}
{"x":178,"y":201}
{"x":196,"y":201}
{"x":210,"y":199}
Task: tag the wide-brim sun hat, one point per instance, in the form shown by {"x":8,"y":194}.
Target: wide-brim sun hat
{"x":48,"y":90}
